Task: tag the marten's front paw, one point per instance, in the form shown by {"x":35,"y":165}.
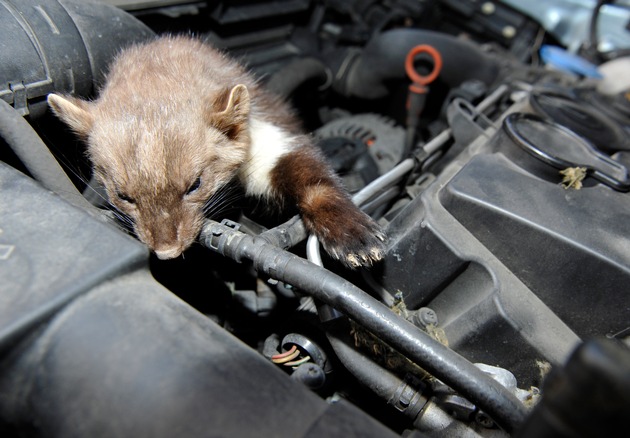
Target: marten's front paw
{"x":362,"y":245}
{"x":348,"y":235}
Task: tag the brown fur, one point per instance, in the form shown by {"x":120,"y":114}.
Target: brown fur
{"x":174,"y":113}
{"x":345,"y":231}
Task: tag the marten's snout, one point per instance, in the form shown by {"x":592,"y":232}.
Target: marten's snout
{"x":165,"y":234}
{"x":168,"y":253}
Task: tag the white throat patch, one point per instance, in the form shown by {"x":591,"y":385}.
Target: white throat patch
{"x":268,"y":144}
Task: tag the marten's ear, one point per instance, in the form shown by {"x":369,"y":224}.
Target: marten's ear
{"x":230,"y":111}
{"x":74,"y":112}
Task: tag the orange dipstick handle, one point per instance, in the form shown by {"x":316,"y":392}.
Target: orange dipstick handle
{"x":420,"y":81}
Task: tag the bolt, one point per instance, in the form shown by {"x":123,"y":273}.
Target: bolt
{"x":509,"y":31}
{"x":488,"y":8}
{"x":428,"y":316}
{"x":424,"y":317}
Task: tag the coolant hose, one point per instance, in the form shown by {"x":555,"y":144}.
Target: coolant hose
{"x":440,"y":361}
{"x":383,"y":60}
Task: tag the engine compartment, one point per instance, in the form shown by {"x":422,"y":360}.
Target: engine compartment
{"x":502,"y":190}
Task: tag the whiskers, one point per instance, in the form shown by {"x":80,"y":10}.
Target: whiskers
{"x":96,"y":196}
{"x":222,"y":201}
{"x":123,"y":221}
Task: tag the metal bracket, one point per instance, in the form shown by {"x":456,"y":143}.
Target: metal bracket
{"x":466,"y":122}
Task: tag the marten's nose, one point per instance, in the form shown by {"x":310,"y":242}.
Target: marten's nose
{"x":168,"y":253}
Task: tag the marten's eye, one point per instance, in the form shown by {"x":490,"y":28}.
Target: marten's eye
{"x":125,"y":197}
{"x":194,"y":186}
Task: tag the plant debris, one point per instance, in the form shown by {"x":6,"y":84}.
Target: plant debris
{"x":573,"y":177}
{"x":386,"y":355}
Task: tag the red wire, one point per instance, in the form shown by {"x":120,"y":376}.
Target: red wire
{"x":285,"y":354}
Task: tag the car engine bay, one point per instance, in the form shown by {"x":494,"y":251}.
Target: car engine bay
{"x":495,"y":160}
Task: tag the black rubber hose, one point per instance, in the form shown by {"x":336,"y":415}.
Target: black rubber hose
{"x":380,"y":381}
{"x":440,"y":361}
{"x":391,"y":388}
{"x":36,"y":157}
{"x":383,"y":60}
{"x":286,"y":235}
{"x":285,"y":81}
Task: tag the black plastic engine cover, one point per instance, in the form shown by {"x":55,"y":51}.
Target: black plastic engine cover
{"x":571,"y":247}
{"x":516,"y":267}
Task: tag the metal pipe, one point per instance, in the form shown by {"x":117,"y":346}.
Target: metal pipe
{"x":394,"y":175}
{"x":367,"y":193}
